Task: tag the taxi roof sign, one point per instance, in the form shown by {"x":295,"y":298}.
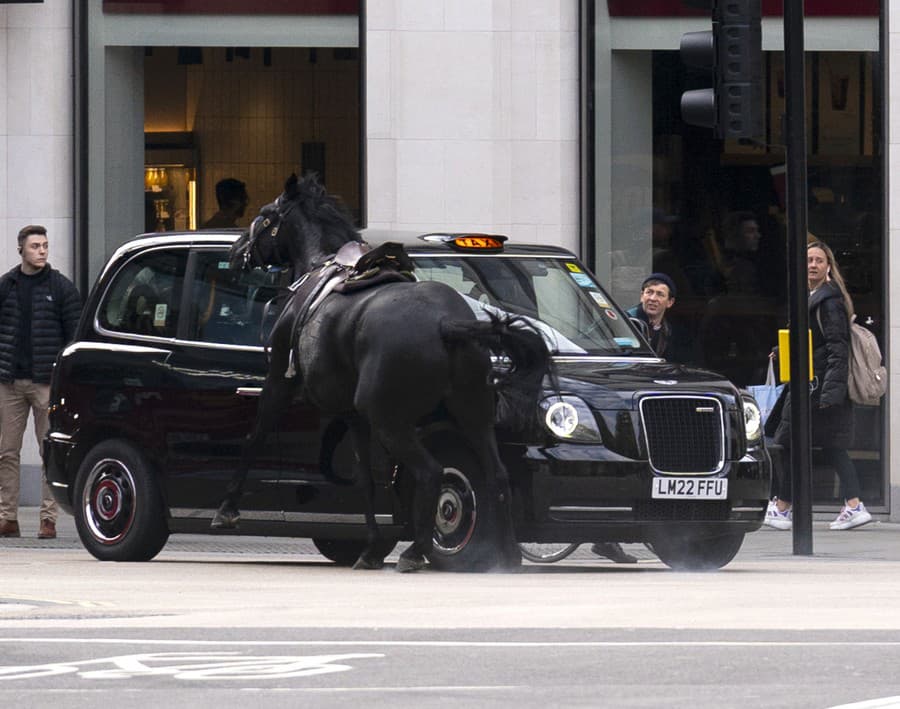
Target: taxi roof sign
{"x":470,"y":242}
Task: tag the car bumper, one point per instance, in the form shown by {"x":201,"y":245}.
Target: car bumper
{"x":58,"y":450}
{"x":582,"y":493}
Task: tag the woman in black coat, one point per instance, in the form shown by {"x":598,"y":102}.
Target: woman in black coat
{"x":830,"y":311}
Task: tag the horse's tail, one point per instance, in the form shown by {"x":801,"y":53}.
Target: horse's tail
{"x":526,"y":361}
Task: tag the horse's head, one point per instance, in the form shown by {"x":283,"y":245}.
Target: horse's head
{"x":301,"y":228}
{"x":260,"y":246}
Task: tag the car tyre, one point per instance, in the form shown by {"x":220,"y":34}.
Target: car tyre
{"x":119,"y":512}
{"x":345,"y":552}
{"x":693,"y":552}
{"x":464,"y":535}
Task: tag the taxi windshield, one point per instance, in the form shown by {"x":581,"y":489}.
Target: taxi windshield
{"x":557,"y":295}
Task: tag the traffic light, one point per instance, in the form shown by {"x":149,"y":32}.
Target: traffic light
{"x":733,"y":107}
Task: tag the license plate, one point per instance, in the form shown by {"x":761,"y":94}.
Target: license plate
{"x":690,"y":488}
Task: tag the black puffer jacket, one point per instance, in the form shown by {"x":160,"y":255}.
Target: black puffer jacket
{"x":55,"y":309}
{"x":830,"y":407}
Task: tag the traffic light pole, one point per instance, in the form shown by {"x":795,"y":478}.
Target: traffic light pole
{"x":795,"y":149}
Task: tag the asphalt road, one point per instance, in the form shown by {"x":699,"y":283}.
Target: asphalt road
{"x":258,"y":622}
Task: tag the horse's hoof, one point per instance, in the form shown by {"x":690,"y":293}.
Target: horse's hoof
{"x":366,"y":564}
{"x":405,"y":566}
{"x":225,"y":519}
{"x":511,"y":560}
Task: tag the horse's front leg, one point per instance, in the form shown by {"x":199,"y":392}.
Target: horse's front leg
{"x":373,"y":555}
{"x":273,"y":401}
{"x":404,"y":445}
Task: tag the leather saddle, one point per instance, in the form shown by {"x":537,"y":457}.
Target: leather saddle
{"x":355,"y":267}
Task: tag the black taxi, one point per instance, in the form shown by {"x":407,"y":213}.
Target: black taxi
{"x":151,"y":402}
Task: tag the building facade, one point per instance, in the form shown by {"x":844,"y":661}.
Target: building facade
{"x":548,"y":121}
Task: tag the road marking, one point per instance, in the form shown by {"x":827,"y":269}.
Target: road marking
{"x":883,"y":703}
{"x":190,"y":666}
{"x":51,"y":602}
{"x":465,"y":643}
{"x":405,"y":688}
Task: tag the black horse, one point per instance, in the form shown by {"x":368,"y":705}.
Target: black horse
{"x":385,"y":358}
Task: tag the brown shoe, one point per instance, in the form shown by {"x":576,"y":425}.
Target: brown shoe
{"x":9,"y":528}
{"x":47,"y":530}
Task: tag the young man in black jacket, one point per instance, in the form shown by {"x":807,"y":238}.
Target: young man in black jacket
{"x":39,"y":311}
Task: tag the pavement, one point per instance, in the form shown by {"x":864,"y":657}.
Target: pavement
{"x":876,"y":541}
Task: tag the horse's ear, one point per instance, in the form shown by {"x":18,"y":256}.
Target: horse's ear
{"x":291,"y":185}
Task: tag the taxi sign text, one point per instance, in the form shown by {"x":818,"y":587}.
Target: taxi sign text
{"x":478,"y":242}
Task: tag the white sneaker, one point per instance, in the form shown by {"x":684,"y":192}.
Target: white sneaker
{"x":777,"y":519}
{"x":851,"y":517}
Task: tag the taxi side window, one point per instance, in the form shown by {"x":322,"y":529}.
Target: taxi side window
{"x":145,"y":295}
{"x":229,"y":307}
{"x":456,"y":274}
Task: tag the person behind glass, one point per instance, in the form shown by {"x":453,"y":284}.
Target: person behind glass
{"x":39,"y":311}
{"x":830,"y":310}
{"x":739,"y":256}
{"x":666,"y":338}
{"x":231,"y":194}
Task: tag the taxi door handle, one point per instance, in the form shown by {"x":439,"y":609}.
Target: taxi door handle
{"x":249,"y":391}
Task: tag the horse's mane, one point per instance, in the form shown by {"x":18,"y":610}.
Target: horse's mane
{"x":329,"y":215}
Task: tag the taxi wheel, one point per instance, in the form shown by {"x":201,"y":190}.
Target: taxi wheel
{"x":119,"y":512}
{"x":345,"y":552}
{"x":691,"y":552}
{"x":464,"y":538}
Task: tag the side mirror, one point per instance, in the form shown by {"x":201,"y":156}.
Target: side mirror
{"x":641,"y":327}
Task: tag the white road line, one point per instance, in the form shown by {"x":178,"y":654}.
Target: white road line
{"x":405,"y":688}
{"x":465,"y":643}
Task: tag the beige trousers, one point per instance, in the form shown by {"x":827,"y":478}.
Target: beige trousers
{"x":15,"y":401}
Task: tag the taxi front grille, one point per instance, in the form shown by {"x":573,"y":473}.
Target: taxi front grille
{"x":685,"y":435}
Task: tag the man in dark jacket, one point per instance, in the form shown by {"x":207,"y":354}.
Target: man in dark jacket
{"x":39,"y":311}
{"x":665,"y":337}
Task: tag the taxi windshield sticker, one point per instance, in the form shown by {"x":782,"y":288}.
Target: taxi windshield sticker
{"x":159,"y":315}
{"x":582,"y":279}
{"x":573,"y":267}
{"x":599,"y":299}
{"x":611,"y":314}
{"x":626,"y":341}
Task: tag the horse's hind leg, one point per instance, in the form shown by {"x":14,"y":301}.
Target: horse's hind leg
{"x":510,"y":552}
{"x":480,"y":434}
{"x":274,"y":399}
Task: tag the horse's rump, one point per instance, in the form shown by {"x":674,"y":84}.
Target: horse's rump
{"x":525,"y":361}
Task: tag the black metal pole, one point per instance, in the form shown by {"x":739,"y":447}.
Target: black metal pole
{"x":795,"y":144}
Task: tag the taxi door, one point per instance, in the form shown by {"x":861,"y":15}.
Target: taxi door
{"x":218,"y":368}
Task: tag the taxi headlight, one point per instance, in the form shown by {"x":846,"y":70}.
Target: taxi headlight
{"x":570,"y":419}
{"x":752,"y":421}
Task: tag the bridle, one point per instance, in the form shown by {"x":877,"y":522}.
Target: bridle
{"x":267,"y":227}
